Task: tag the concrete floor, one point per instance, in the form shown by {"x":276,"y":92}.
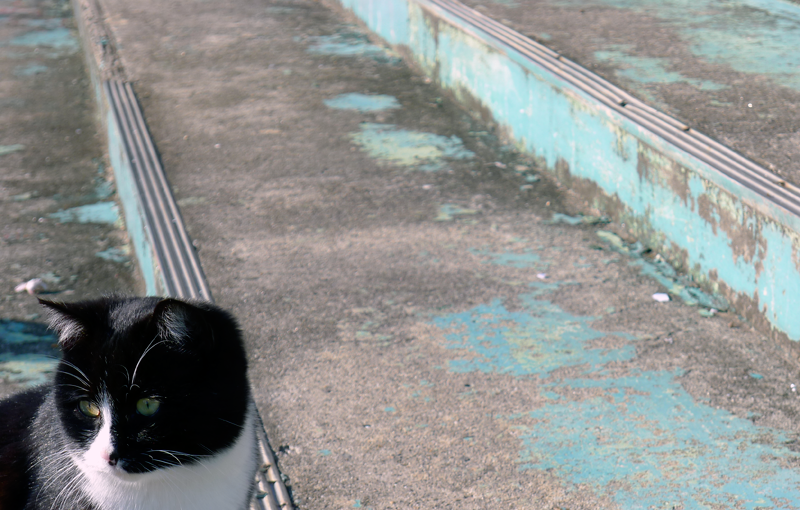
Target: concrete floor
{"x":58,"y":217}
{"x":430,"y":322}
{"x":424,"y":331}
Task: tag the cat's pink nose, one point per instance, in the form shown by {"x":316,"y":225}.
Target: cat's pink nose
{"x":110,"y":456}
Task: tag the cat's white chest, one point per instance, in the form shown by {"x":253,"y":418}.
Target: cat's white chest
{"x":221,"y":482}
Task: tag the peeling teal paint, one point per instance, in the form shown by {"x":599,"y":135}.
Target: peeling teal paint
{"x":27,"y":352}
{"x":644,"y":441}
{"x":102,"y":212}
{"x":634,"y":436}
{"x":389,"y":19}
{"x":119,"y":255}
{"x":350,"y":44}
{"x":27,"y":370}
{"x":59,"y":38}
{"x":576,"y":220}
{"x":751,"y":36}
{"x":522,"y":260}
{"x":648,"y":70}
{"x":134,"y":223}
{"x":412,"y":149}
{"x":363,"y":102}
{"x":30,"y":70}
{"x":9,"y":149}
{"x":15,"y":332}
{"x":449,"y":211}
{"x":536,"y":340}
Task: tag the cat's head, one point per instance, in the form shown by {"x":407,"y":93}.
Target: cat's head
{"x":148,"y":383}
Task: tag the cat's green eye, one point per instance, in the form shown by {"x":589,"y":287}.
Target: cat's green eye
{"x":89,"y":408}
{"x":147,"y":406}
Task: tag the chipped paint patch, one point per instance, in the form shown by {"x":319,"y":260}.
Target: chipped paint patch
{"x":27,"y":370}
{"x":102,"y":212}
{"x":59,"y":38}
{"x":538,"y":339}
{"x":15,"y":332}
{"x":648,"y":70}
{"x":751,"y":36}
{"x":27,"y":353}
{"x":449,"y":211}
{"x":9,"y":149}
{"x":522,"y":260}
{"x":363,"y":102}
{"x":412,"y":149}
{"x":350,"y":44}
{"x":643,"y":440}
{"x":30,"y":70}
{"x":118,"y":255}
{"x":635,"y":436}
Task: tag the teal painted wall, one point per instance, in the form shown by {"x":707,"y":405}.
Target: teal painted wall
{"x":721,"y":232}
{"x":134,"y":215}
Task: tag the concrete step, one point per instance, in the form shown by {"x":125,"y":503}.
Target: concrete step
{"x":434,"y":320}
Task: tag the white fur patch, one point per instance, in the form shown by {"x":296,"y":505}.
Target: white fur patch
{"x":66,"y":327}
{"x":221,"y":482}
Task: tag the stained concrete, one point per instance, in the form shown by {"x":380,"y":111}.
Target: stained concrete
{"x":424,"y":331}
{"x":727,"y":69}
{"x":58,"y":219}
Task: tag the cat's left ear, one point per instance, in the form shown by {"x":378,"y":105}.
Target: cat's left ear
{"x":64,"y":320}
{"x":182,"y":323}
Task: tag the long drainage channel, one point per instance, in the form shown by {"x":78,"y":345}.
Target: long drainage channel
{"x":175,"y":262}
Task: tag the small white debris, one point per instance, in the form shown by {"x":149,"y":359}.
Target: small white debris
{"x":668,"y":340}
{"x":541,"y":276}
{"x":794,"y":388}
{"x":661,"y":297}
{"x":217,"y":146}
{"x":32,"y":286}
{"x":498,"y":164}
{"x":427,"y":186}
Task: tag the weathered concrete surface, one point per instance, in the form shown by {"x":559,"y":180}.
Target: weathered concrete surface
{"x":733,"y":237}
{"x":424,"y":331}
{"x":58,"y":216}
{"x":728,"y":69}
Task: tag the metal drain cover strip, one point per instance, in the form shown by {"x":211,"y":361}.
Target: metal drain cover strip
{"x":175,"y":255}
{"x":734,"y":166}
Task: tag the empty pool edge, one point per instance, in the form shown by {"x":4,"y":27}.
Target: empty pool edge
{"x":711,"y":212}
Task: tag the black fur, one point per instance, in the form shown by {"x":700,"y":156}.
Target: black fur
{"x":188,"y":356}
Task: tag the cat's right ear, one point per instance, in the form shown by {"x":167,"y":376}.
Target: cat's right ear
{"x":63,"y":321}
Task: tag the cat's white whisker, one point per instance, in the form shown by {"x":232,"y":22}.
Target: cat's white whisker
{"x":148,"y":349}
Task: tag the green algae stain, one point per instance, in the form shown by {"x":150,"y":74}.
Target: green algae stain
{"x":363,"y":102}
{"x":411,"y":149}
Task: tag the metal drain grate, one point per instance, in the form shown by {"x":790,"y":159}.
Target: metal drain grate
{"x":178,"y":265}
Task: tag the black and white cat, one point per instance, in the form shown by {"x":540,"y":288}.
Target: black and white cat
{"x":149,"y":409}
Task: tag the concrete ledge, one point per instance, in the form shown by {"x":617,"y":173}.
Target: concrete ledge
{"x":735,"y":233}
